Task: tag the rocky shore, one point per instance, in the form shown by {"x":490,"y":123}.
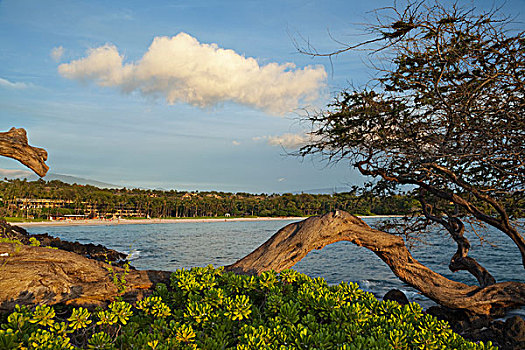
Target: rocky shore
{"x":79,"y":275}
{"x":506,"y":335}
{"x":91,"y":251}
{"x":72,"y":274}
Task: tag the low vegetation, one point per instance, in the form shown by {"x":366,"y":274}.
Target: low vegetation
{"x":206,"y":308}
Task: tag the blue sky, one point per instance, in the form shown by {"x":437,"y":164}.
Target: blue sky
{"x":96,"y":84}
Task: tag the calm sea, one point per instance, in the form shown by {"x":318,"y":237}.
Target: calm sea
{"x":177,"y":245}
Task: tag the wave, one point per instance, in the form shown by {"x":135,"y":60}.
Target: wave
{"x":133,"y":255}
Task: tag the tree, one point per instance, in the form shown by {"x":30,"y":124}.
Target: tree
{"x":444,"y":118}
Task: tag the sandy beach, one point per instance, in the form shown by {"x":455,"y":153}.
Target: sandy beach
{"x":89,"y":222}
{"x":93,"y":222}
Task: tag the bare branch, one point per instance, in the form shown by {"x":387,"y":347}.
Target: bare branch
{"x":13,"y":144}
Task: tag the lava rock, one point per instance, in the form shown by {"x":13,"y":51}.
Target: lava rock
{"x":508,"y":335}
{"x":396,"y":295}
{"x":91,"y":251}
{"x":515,"y":329}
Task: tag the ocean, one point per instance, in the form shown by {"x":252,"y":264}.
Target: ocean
{"x":184,"y":245}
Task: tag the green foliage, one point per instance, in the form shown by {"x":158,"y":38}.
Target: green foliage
{"x":154,"y":306}
{"x":79,"y":319}
{"x":9,"y":240}
{"x":34,"y":242}
{"x":118,"y":278}
{"x":206,"y":308}
{"x":44,"y":316}
{"x":95,"y":202}
{"x":100,"y":340}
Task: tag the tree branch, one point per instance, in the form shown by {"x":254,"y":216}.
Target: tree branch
{"x":290,"y":244}
{"x":14,"y":144}
{"x":460,"y":260}
{"x":501,"y":225}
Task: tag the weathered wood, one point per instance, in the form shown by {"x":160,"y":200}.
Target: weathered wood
{"x":460,"y":260}
{"x":290,"y":244}
{"x":38,"y":275}
{"x":14,"y":144}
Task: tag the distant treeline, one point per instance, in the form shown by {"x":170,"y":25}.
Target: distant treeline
{"x":41,"y":199}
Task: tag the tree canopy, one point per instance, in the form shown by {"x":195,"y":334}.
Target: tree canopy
{"x":443,"y":117}
{"x":41,"y":199}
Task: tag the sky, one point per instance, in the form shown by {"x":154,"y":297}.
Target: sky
{"x":185,"y":95}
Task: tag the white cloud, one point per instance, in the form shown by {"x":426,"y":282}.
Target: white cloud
{"x":291,"y":141}
{"x":8,"y":84}
{"x":57,"y":53}
{"x":180,"y":69}
{"x":236,"y":143}
{"x":15,"y":173}
{"x":288,"y":140}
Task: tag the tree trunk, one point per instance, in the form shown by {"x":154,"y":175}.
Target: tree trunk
{"x":13,"y":144}
{"x":290,"y":244}
{"x":37,"y":275}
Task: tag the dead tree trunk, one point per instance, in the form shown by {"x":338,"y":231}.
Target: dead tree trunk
{"x":38,"y":275}
{"x":14,"y":144}
{"x":290,"y":244}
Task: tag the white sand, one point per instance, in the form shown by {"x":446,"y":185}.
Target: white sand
{"x":89,"y":222}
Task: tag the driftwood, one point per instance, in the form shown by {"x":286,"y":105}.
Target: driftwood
{"x":70,"y":275}
{"x":14,"y":144}
{"x":290,"y":244}
{"x":38,"y":275}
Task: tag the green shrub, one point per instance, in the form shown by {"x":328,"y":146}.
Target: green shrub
{"x":206,"y":308}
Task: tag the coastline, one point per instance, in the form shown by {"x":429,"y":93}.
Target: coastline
{"x":100,"y":222}
{"x":97,"y":222}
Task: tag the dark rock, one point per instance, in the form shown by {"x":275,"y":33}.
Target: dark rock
{"x":460,"y":320}
{"x":498,"y":325}
{"x":396,"y":295}
{"x":91,"y":251}
{"x":507,"y":335}
{"x":515,"y":328}
{"x":456,"y":318}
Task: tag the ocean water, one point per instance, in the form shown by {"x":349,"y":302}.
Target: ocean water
{"x":185,"y":245}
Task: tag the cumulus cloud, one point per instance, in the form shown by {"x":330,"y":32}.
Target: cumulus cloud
{"x":291,"y":141}
{"x":57,"y":53}
{"x":181,"y":69}
{"x":9,"y":84}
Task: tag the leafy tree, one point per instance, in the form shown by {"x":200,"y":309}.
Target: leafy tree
{"x":445,"y":117}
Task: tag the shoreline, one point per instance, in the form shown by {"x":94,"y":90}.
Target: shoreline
{"x":100,"y":222}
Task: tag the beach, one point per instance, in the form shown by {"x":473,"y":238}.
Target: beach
{"x":94,"y":222}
